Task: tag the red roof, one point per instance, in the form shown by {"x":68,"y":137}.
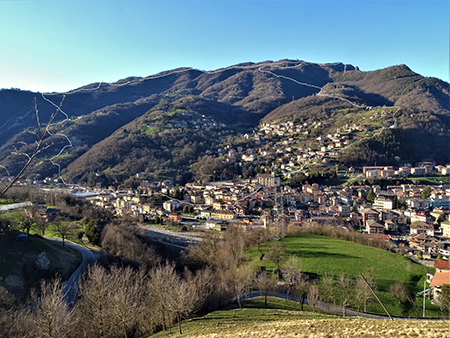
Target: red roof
{"x":440,"y":278}
{"x":441,"y":264}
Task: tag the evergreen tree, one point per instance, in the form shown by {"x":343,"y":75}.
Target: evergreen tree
{"x":426,"y":192}
{"x":420,"y":254}
{"x":397,"y":203}
{"x":92,"y":232}
{"x":370,"y":197}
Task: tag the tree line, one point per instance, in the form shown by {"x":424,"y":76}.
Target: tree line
{"x":112,"y":301}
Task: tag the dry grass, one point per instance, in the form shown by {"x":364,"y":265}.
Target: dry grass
{"x":331,"y":328}
{"x":284,"y":319}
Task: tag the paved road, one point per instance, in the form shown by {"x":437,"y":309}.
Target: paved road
{"x":71,"y":285}
{"x":333,"y":308}
{"x":181,"y":239}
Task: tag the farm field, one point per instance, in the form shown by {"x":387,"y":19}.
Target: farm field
{"x":321,"y":255}
{"x":283,"y":319}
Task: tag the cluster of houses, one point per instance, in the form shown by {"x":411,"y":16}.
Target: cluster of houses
{"x":422,"y":169}
{"x":398,"y":212}
{"x":282,"y":141}
{"x":188,"y":119}
{"x":42,"y":212}
{"x":279,"y":146}
{"x":401,"y":213}
{"x":420,"y":224}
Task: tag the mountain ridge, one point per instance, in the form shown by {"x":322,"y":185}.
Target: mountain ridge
{"x":236,"y":98}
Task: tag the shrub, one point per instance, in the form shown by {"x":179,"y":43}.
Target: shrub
{"x":80,"y":234}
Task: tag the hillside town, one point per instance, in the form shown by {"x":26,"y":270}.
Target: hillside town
{"x":414,"y":217}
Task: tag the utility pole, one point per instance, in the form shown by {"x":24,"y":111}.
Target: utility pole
{"x":424,"y":286}
{"x":376,"y":296}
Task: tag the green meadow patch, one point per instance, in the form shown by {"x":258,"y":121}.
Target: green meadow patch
{"x":431,"y":180}
{"x":322,"y":255}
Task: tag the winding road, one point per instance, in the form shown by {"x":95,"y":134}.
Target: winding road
{"x":71,"y":285}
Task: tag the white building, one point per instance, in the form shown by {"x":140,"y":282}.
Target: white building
{"x":382,"y":202}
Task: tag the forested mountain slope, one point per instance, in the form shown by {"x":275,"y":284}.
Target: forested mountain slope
{"x":162,"y":124}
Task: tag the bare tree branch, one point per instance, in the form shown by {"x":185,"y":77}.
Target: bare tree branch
{"x":39,"y":146}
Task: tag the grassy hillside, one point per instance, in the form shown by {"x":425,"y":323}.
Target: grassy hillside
{"x":19,"y":270}
{"x":282,"y":320}
{"x":321,"y":255}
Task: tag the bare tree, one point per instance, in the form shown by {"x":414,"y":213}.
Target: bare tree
{"x":39,"y":146}
{"x":64,"y":229}
{"x":232,"y":249}
{"x":346,"y":287}
{"x":52,"y":316}
{"x":189,"y":294}
{"x":7,"y":317}
{"x":240,"y":282}
{"x":258,"y":237}
{"x":42,"y":225}
{"x":94,"y":305}
{"x":301,"y":289}
{"x":327,"y":283}
{"x":175,"y":298}
{"x":182,"y":297}
{"x":265,"y":284}
{"x":124,"y":241}
{"x":127,"y":297}
{"x":202,"y":285}
{"x":164,"y":280}
{"x":276,"y":253}
{"x":205,"y":252}
{"x":363,"y":293}
{"x":313,"y":298}
{"x":291,"y":271}
{"x":399,"y":291}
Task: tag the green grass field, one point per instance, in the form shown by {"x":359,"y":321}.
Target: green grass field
{"x":321,"y":255}
{"x":431,"y":179}
{"x":283,"y":319}
{"x":14,"y":218}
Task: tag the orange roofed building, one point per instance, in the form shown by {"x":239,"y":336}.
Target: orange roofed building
{"x":439,"y":279}
{"x":441,"y":265}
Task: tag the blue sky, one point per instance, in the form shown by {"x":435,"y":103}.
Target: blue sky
{"x":61,"y":45}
